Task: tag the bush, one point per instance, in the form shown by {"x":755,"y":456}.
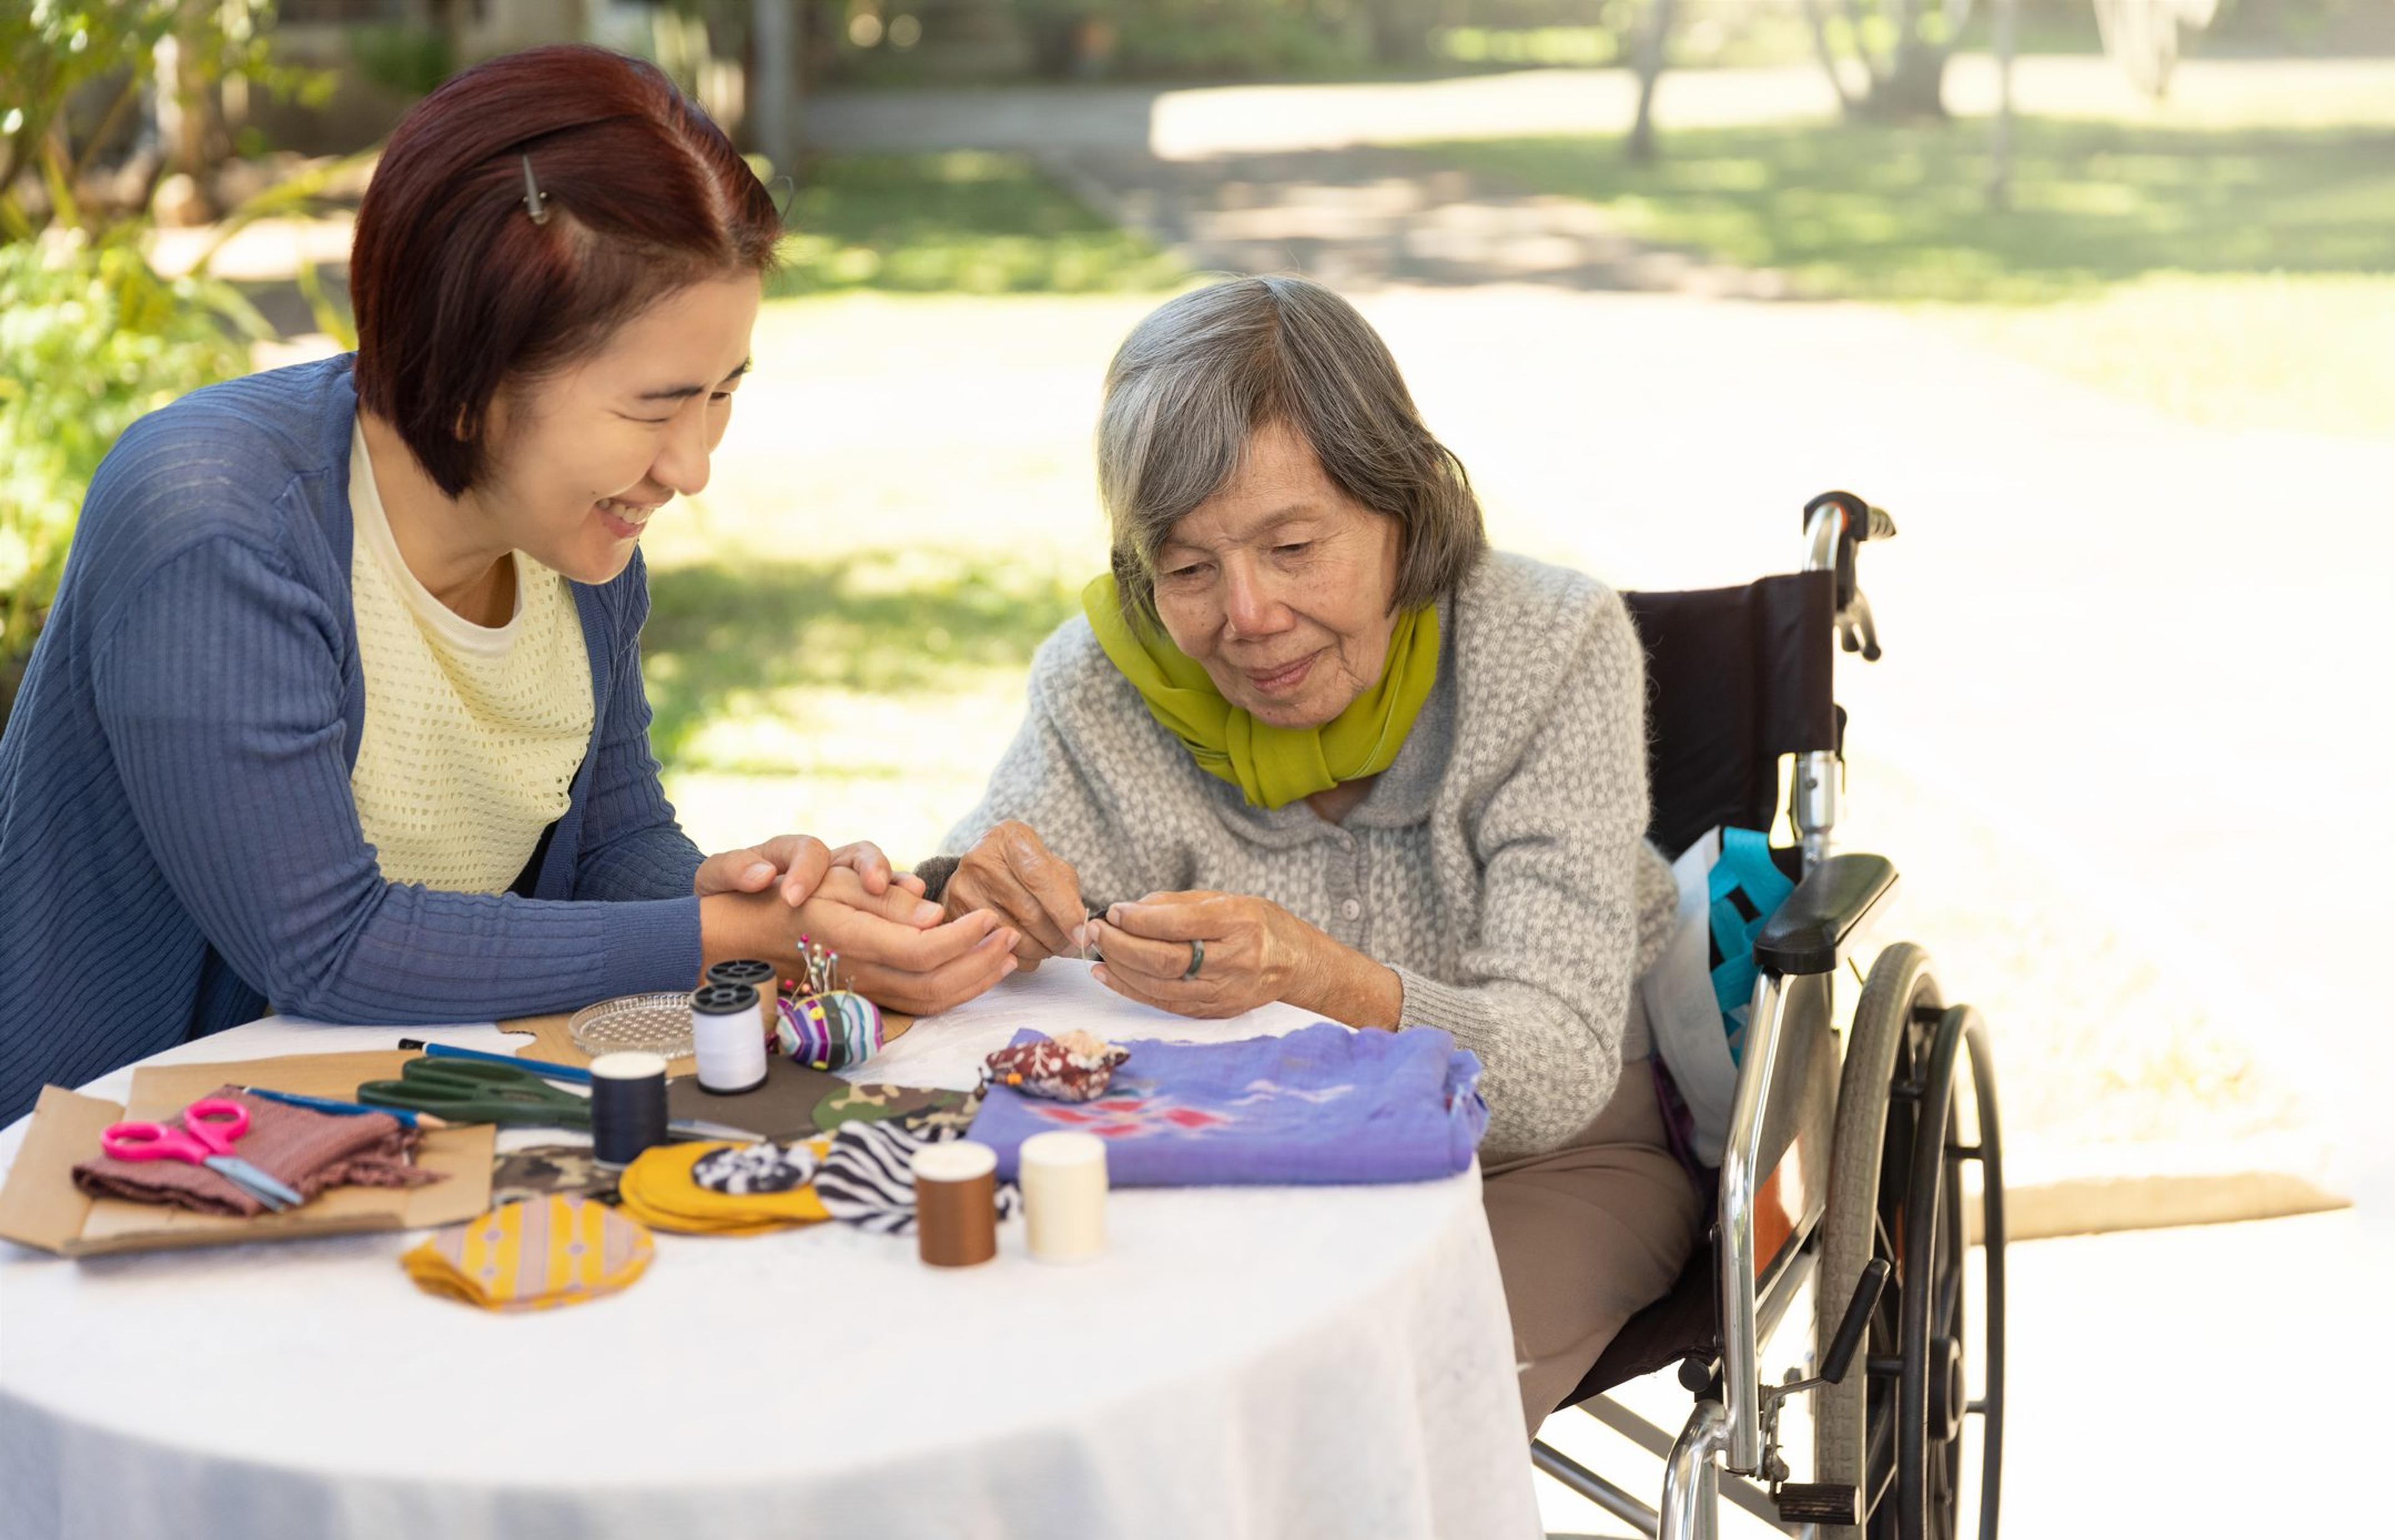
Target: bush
{"x":90,"y":338}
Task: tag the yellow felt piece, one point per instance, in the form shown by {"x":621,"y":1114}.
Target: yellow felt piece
{"x":534,"y":1255}
{"x":658,"y":1190}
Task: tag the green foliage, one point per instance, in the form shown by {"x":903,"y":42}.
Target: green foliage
{"x":409,"y":61}
{"x":90,"y":335}
{"x":51,"y":49}
{"x":90,"y":338}
{"x":963,"y":222}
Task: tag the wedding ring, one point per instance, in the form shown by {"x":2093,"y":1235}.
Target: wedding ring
{"x":1196,"y":960}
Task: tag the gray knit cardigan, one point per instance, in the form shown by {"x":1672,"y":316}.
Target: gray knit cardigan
{"x":1499,"y":866}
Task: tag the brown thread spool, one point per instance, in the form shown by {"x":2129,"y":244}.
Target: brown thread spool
{"x":956,"y":1204}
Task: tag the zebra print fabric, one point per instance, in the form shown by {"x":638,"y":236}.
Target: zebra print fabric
{"x":868,"y":1177}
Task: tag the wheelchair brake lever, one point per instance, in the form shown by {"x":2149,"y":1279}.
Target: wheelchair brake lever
{"x":1841,"y":1355}
{"x":1856,"y":630}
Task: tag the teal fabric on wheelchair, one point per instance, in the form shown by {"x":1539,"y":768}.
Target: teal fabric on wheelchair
{"x":1744,"y":873}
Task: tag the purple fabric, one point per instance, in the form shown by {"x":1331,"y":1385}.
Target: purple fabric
{"x":1320,"y":1105}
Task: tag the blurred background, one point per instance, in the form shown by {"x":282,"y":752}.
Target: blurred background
{"x":2097,"y":297}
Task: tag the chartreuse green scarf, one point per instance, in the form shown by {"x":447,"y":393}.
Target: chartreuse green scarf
{"x":1272,"y":767}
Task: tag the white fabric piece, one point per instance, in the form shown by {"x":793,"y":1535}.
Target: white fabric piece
{"x":1682,"y":1010}
{"x":1303,"y":1362}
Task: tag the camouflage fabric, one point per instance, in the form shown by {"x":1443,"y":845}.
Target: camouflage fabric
{"x":875,"y":1102}
{"x":544,"y":1169}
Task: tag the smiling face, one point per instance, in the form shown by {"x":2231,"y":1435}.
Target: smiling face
{"x":583,"y":458}
{"x":1279,"y":586}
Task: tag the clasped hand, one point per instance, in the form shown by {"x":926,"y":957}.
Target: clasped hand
{"x":893,"y":947}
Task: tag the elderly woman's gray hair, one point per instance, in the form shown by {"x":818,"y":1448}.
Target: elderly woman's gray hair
{"x":1195,"y":380}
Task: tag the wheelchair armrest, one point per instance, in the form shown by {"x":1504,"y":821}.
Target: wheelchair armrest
{"x":1806,"y":934}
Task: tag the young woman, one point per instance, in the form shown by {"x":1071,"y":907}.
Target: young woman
{"x":340,"y":707}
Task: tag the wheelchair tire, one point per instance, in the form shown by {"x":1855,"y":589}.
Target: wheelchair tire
{"x":1893,"y":1197}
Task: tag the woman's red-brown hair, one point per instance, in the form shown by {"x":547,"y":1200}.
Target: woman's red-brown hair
{"x":458,"y":290}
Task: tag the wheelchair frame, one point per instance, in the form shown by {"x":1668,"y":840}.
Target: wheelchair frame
{"x":1732,"y":1431}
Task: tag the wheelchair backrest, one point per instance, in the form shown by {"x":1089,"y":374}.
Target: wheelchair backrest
{"x":1735,"y":677}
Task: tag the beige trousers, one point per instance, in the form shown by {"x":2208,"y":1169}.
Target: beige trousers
{"x":1587,"y":1236}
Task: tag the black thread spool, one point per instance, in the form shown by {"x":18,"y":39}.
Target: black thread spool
{"x":627,"y":1106}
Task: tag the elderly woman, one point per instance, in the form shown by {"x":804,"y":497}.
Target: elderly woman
{"x":1315,"y":743}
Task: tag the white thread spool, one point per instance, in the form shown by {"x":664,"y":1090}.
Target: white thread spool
{"x":759,"y":976}
{"x":1064,"y":1178}
{"x":724,"y":1032}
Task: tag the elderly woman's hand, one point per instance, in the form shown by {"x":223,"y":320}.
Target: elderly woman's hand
{"x":1011,"y":874}
{"x":1219,"y":954}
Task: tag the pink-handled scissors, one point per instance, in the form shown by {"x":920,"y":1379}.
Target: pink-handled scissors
{"x":210,"y":1127}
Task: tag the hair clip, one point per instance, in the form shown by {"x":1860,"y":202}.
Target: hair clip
{"x":535,"y":204}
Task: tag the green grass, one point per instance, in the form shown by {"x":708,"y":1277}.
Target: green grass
{"x":1857,"y":211}
{"x":770,"y":643}
{"x":2238,"y":277}
{"x":959,"y":222}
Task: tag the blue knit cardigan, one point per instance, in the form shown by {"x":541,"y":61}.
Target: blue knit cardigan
{"x":178,"y":842}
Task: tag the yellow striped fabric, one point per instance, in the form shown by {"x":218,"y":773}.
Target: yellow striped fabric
{"x":534,"y":1255}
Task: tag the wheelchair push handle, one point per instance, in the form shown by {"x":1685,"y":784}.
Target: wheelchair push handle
{"x":1863,"y":521}
{"x":1836,"y":525}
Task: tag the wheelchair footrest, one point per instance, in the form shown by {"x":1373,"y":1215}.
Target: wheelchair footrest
{"x":1818,"y":1502}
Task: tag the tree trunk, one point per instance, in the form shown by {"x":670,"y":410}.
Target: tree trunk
{"x":1914,"y":85}
{"x":2000,"y":149}
{"x":773,"y":101}
{"x":1652,"y":44}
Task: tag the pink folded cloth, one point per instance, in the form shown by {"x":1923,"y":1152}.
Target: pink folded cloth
{"x":302,"y":1148}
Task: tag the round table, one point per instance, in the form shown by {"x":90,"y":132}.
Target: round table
{"x":1308,"y":1362}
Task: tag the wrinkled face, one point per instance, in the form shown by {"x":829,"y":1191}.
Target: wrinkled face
{"x":580,"y":460}
{"x":1279,"y":586}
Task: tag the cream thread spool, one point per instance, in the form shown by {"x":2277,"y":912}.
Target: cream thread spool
{"x":956,"y":1204}
{"x":757,"y":976}
{"x":723,"y":1031}
{"x":627,"y":1106}
{"x":1064,"y":1177}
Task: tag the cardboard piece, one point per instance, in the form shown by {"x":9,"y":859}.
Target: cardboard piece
{"x":551,"y":1041}
{"x":41,"y":1206}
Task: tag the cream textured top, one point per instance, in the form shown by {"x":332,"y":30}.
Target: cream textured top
{"x":472,"y":733}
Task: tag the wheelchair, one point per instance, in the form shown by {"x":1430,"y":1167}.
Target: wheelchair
{"x":1844,"y":1167}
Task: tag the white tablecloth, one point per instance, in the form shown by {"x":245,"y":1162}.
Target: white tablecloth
{"x":1242,"y":1361}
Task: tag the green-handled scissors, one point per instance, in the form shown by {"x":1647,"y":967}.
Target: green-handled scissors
{"x":469,"y":1091}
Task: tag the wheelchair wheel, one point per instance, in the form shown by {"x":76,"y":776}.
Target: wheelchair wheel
{"x":1899,"y":1431}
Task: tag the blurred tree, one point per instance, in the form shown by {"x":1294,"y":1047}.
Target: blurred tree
{"x":1653,"y":39}
{"x":2144,"y":36}
{"x":91,"y":336}
{"x":1899,"y":47}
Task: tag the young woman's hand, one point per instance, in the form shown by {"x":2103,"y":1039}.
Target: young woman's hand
{"x":1009,"y":872}
{"x":892,"y":946}
{"x":895,"y":950}
{"x":799,"y":862}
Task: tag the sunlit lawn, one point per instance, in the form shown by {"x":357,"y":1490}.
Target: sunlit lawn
{"x":2240,"y":277}
{"x":964,"y":222}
